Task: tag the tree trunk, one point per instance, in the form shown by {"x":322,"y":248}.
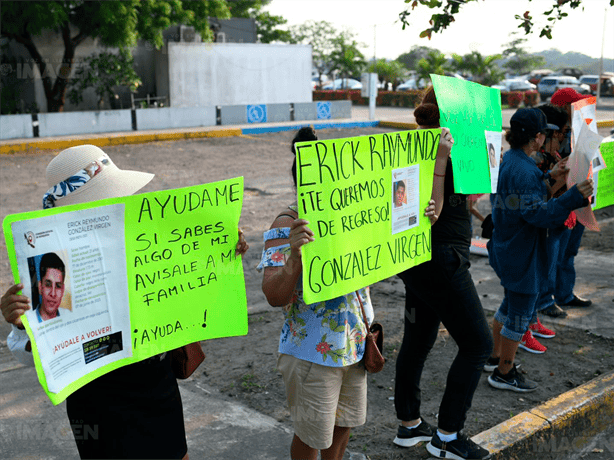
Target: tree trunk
{"x":55,"y":92}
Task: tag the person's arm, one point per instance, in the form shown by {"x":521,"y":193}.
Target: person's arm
{"x":13,"y":305}
{"x":441,"y":163}
{"x":474,"y":210}
{"x":19,"y":344}
{"x":554,"y":212}
{"x":279,"y":282}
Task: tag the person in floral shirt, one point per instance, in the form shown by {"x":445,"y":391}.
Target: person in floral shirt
{"x":321,"y":345}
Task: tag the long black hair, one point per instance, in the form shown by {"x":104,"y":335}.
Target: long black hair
{"x":305,"y":134}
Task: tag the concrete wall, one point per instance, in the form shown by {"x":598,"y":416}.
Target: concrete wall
{"x":216,"y":74}
{"x":61,"y":124}
{"x":172,"y":117}
{"x":15,"y":126}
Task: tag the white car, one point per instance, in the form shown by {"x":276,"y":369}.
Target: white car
{"x":514,"y":85}
{"x":547,"y":86}
{"x":343,"y":83}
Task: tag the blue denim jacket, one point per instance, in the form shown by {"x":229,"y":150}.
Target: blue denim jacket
{"x":521,"y":214}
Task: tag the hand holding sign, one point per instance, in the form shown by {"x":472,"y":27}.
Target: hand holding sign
{"x":14,"y":305}
{"x":300,"y":235}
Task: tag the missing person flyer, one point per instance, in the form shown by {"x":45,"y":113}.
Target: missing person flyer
{"x":116,"y":281}
{"x":72,"y":260}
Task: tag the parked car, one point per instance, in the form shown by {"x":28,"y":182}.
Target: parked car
{"x":607,"y":85}
{"x":343,"y":83}
{"x":591,"y":81}
{"x":536,"y":75}
{"x":514,"y":85}
{"x":550,"y":84}
{"x":569,"y":72}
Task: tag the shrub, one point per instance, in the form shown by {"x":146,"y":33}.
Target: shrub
{"x":384,"y":98}
{"x":514,"y":98}
{"x":531,"y":98}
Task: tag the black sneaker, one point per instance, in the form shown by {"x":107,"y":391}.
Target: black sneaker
{"x":578,"y":302}
{"x":460,"y":449}
{"x":408,"y":437}
{"x":554,"y":311}
{"x":493,"y":363}
{"x":513,"y":380}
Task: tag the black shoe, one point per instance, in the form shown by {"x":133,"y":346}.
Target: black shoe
{"x":460,"y":449}
{"x":513,"y":380}
{"x":408,"y":437}
{"x":493,"y":363}
{"x":578,"y":302}
{"x":554,"y":311}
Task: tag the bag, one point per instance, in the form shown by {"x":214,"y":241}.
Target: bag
{"x":185,"y":360}
{"x":374,"y":344}
{"x":487,"y":227}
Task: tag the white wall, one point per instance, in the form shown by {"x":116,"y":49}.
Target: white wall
{"x":211,"y":74}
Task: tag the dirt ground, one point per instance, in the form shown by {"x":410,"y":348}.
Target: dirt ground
{"x":244,"y":368}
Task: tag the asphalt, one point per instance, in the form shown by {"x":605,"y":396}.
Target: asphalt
{"x":32,"y":428}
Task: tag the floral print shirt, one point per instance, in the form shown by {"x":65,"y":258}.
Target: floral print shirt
{"x":330,"y":333}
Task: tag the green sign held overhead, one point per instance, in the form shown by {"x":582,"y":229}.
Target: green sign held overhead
{"x":133,"y":277}
{"x":468,"y":109}
{"x":364,"y":198}
{"x":604,"y":178}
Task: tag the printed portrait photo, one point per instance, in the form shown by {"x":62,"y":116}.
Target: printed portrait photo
{"x":492,"y":155}
{"x":50,"y":294}
{"x":399,"y":195}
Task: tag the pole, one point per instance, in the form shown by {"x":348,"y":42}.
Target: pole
{"x":605,"y":15}
{"x":372,"y":94}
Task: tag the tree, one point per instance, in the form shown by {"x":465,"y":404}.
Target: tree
{"x":103,"y":72}
{"x":450,"y":8}
{"x":434,"y":62}
{"x":320,"y":35}
{"x":114,"y":24}
{"x":346,"y":58}
{"x":387,"y":71}
{"x":266,"y":23}
{"x":410,"y":59}
{"x":519,"y":62}
{"x":484,"y":69}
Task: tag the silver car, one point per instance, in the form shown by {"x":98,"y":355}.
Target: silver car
{"x":547,"y":86}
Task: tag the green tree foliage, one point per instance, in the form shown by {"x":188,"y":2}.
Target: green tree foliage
{"x":483,"y":69}
{"x":387,"y":71}
{"x":520,"y":62}
{"x":113,"y":23}
{"x":434,"y":62}
{"x":320,"y":35}
{"x":345,"y":57}
{"x":266,"y":23}
{"x":104,"y":72}
{"x":448,"y":9}
{"x":411,"y":58}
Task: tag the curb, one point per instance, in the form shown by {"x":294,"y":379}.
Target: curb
{"x":141,"y":138}
{"x":563,"y":424}
{"x":605,"y":123}
{"x":100,"y":141}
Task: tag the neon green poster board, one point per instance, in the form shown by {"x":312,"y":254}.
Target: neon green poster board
{"x":364,"y":198}
{"x":468,"y":109}
{"x":137,"y":276}
{"x":604,"y":178}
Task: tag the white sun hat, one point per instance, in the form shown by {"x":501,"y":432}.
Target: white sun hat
{"x":86,"y":173}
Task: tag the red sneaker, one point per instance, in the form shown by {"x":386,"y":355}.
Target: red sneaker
{"x":539,"y":330}
{"x":530,"y":344}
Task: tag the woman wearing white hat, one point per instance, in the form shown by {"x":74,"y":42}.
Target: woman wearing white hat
{"x":134,"y":411}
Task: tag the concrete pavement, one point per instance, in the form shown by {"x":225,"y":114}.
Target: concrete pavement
{"x":32,"y":428}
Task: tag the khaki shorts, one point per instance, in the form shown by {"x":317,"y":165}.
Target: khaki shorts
{"x":320,"y":397}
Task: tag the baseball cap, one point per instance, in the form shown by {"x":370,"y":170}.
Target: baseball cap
{"x":566,"y":96}
{"x":530,"y":121}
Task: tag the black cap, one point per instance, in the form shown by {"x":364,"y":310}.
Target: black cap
{"x":530,"y":121}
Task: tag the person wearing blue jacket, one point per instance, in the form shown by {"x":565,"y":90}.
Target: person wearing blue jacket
{"x":518,"y":249}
